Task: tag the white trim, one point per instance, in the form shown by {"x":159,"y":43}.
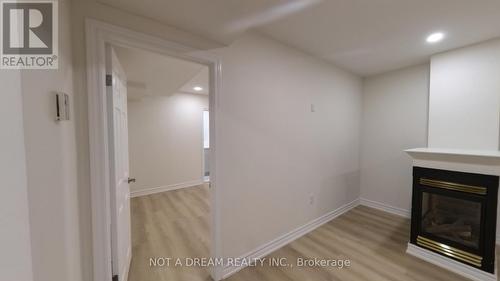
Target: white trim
{"x":287,"y":238}
{"x":98,"y":35}
{"x":153,"y":190}
{"x":99,"y":163}
{"x":498,"y":239}
{"x":386,"y":208}
{"x":452,"y":265}
{"x":127,"y":268}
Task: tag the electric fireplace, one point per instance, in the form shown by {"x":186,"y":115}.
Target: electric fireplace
{"x":454,"y":214}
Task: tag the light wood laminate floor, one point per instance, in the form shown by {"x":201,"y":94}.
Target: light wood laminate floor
{"x":175,"y":224}
{"x":172,"y":224}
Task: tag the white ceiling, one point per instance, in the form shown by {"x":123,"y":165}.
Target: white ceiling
{"x":150,"y":74}
{"x":373,"y":36}
{"x":364,"y":36}
{"x":221,"y":20}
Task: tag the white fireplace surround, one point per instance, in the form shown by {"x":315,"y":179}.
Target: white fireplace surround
{"x":469,"y":161}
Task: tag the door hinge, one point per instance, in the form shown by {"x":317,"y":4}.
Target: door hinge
{"x":109,"y":80}
{"x":115,"y":278}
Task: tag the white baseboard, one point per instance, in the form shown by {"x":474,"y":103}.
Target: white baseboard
{"x":159,"y":189}
{"x":287,"y":238}
{"x":385,"y":208}
{"x":452,"y":265}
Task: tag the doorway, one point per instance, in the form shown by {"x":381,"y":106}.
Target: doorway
{"x":100,"y":35}
{"x":164,"y":101}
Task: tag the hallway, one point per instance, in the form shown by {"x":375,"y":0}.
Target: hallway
{"x":172,"y":224}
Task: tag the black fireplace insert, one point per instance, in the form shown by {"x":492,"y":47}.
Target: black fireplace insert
{"x":454,"y":214}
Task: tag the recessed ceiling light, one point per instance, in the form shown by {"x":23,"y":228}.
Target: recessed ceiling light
{"x":197,"y":88}
{"x":435,"y":37}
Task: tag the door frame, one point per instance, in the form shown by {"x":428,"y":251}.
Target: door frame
{"x":98,"y":35}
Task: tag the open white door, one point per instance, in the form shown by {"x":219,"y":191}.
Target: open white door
{"x":121,"y":246}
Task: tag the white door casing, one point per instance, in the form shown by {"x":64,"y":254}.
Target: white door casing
{"x":98,"y":35}
{"x":121,"y":246}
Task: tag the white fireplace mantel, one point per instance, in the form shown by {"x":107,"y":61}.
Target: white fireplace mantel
{"x":469,"y":161}
{"x":457,"y":152}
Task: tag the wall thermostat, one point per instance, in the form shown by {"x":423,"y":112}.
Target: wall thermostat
{"x":62,"y":106}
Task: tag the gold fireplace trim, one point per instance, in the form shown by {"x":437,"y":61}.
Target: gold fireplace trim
{"x":454,"y":186}
{"x":450,"y":251}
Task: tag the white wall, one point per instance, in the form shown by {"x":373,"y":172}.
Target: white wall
{"x":166,"y":140}
{"x":464,"y":108}
{"x":52,"y":166}
{"x":15,"y":245}
{"x":272,"y":151}
{"x":394,"y":119}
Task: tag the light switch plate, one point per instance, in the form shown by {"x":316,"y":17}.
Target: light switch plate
{"x":62,"y":106}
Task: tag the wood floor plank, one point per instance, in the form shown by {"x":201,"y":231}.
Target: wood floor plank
{"x":171,"y":224}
